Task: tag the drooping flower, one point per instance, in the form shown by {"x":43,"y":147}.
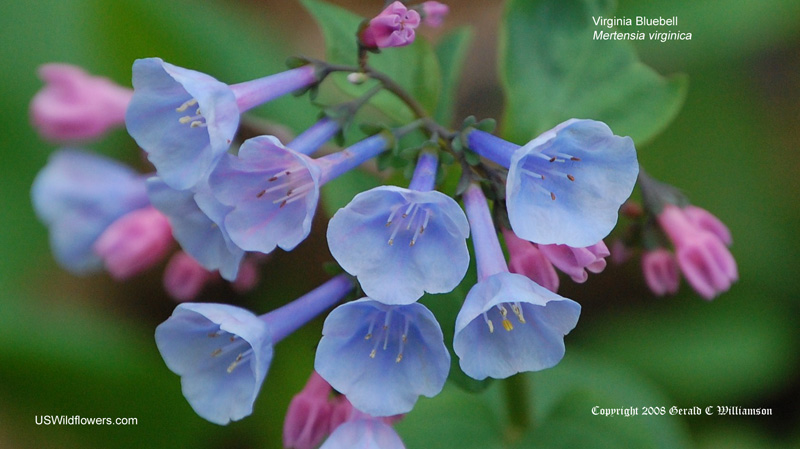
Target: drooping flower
{"x":186,"y":120}
{"x":565,"y":186}
{"x":273,"y":190}
{"x":223,"y":353}
{"x":535,"y":340}
{"x":700,"y":250}
{"x":134,"y":242}
{"x":307,"y":421}
{"x":75,"y":105}
{"x":401,"y":243}
{"x":393,"y":27}
{"x":525,"y":258}
{"x":433,"y":13}
{"x":383,"y":357}
{"x":661,"y":271}
{"x":77,"y":195}
{"x":575,"y":262}
{"x":364,"y":433}
{"x":197,"y":221}
{"x":184,"y":277}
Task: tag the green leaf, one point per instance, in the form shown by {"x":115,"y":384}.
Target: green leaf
{"x":414,"y":67}
{"x":67,"y":360}
{"x":689,"y":345}
{"x":565,"y":398}
{"x":452,"y":52}
{"x":454,"y":419}
{"x":552,"y":70}
{"x":445,"y":307}
{"x":337,"y":193}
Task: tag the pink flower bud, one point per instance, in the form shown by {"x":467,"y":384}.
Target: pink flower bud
{"x":393,"y":27}
{"x":184,"y":277}
{"x":576,"y":261}
{"x":134,"y":242}
{"x":661,"y":271}
{"x":342,"y":412}
{"x":247,"y":278}
{"x":702,"y":256}
{"x":705,"y":220}
{"x":74,"y":105}
{"x":526,"y":259}
{"x":620,"y":253}
{"x":308,"y":419}
{"x":433,"y":13}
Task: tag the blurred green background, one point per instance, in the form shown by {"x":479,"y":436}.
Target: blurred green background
{"x":84,"y":346}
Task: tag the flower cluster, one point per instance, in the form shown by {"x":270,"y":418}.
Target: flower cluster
{"x":228,"y":202}
{"x":678,"y":237}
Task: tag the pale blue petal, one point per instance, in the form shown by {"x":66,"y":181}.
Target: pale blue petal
{"x":182,"y":154}
{"x":376,"y":382}
{"x":400,"y":273}
{"x":536,"y":344}
{"x":269,"y":207}
{"x":585,"y":209}
{"x":77,"y":196}
{"x":198,"y":233}
{"x":364,"y":434}
{"x":201,"y":343}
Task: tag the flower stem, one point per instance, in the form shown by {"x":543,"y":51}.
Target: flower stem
{"x":520,"y":414}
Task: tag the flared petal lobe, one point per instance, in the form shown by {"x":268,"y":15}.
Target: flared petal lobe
{"x":383,"y":357}
{"x":273,"y":193}
{"x":222,"y":354}
{"x":364,"y":434}
{"x":185,"y":120}
{"x":510,"y":324}
{"x":77,"y":196}
{"x":566,"y":186}
{"x":401,"y":243}
{"x":200,"y":232}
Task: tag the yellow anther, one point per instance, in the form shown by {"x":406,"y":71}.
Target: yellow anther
{"x":399,"y":358}
{"x":372,"y":354}
{"x":507,"y":325}
{"x":216,"y":352}
{"x":186,"y":105}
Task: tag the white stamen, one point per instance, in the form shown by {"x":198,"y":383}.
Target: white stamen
{"x":488,"y":322}
{"x":371,"y":327}
{"x":532,"y":174}
{"x":295,"y":194}
{"x":410,"y":206}
{"x":386,"y":323}
{"x":403,"y":340}
{"x":394,"y":234}
{"x":391,"y":216}
{"x":517,"y":309}
{"x":413,"y":214}
{"x":420,"y":229}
